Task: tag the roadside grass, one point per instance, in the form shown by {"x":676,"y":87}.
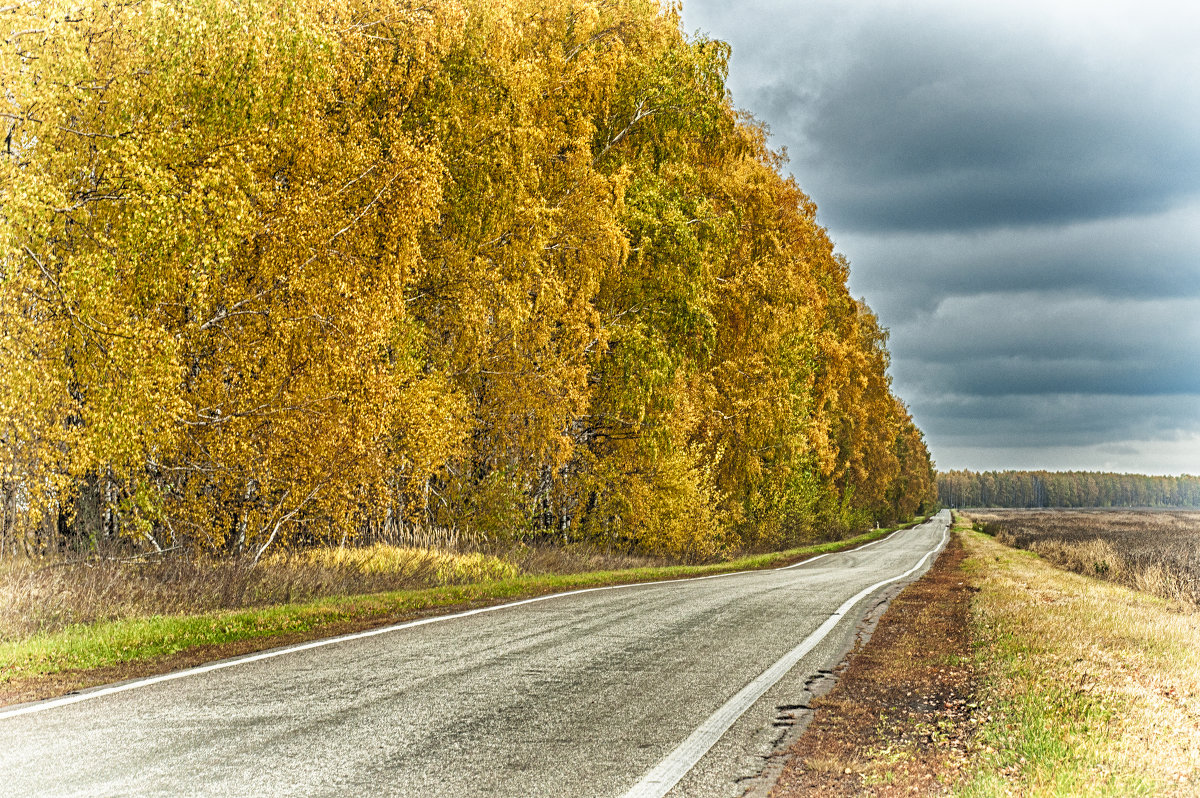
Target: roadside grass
{"x":898,"y":719}
{"x":1085,"y":687}
{"x":49,"y":594}
{"x":478,"y":580}
{"x":46,"y":596}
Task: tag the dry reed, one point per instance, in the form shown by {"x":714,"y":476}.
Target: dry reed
{"x":1157,"y":552}
{"x":44,"y":595}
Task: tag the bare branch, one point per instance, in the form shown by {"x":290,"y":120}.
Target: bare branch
{"x":236,"y":309}
{"x":93,"y":135}
{"x":640,"y":113}
{"x":279,"y":524}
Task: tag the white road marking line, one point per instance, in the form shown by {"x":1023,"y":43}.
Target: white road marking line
{"x":667,"y":773}
{"x":828,"y":553}
{"x":76,"y":698}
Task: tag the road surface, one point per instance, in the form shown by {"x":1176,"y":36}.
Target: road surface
{"x":683,"y":686}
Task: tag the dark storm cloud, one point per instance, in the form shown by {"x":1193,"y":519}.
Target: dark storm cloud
{"x":1137,"y":257}
{"x":1025,"y":376}
{"x":1036,"y":369}
{"x":939,"y":119}
{"x":1017,"y":187}
{"x":983,"y":421}
{"x":967,"y":133}
{"x":1044,"y":327}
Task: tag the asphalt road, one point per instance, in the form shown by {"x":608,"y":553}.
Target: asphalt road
{"x":579,"y":695}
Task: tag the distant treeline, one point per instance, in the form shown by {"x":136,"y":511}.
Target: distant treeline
{"x":1065,"y":489}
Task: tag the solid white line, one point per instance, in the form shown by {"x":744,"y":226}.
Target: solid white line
{"x":667,"y":773}
{"x":845,"y":551}
{"x":76,"y":698}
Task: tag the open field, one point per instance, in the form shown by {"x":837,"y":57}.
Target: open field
{"x":1086,"y":687}
{"x":1154,"y":551}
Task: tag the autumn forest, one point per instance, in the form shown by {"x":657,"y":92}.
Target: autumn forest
{"x":284,"y":272}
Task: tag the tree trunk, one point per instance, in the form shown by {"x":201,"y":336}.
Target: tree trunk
{"x":86,"y":526}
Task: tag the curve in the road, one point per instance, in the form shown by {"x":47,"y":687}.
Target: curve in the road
{"x":565,"y":695}
{"x":659,"y":781}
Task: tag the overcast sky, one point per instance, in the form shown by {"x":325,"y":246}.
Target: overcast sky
{"x":1017,"y":187}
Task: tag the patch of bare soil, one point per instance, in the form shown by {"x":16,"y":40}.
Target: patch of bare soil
{"x":899,"y":719}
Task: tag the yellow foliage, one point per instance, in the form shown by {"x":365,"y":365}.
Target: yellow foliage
{"x":281,"y":271}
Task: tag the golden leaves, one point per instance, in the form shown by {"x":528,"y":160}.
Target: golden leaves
{"x":299,"y":268}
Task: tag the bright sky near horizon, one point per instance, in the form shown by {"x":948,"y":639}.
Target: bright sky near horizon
{"x":1017,"y":187}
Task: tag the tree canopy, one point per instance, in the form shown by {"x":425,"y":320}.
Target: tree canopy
{"x":281,"y":270}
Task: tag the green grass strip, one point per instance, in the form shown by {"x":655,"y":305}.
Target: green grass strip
{"x":87,"y":646}
{"x":1039,"y":734}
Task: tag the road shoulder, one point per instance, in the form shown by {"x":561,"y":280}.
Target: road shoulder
{"x":899,"y":717}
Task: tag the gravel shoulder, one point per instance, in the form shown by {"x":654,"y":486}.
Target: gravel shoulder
{"x":899,"y":718}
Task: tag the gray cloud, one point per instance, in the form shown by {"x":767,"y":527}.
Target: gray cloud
{"x":1035,"y":370}
{"x":951,"y":127}
{"x":1023,"y":376}
{"x":922,"y":116}
{"x":1043,"y":326}
{"x":1138,"y":257}
{"x":1017,"y":187}
{"x":1158,"y":456}
{"x":1060,"y":420}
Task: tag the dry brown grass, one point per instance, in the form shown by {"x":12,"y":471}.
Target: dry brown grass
{"x":1091,"y":689}
{"x":39,"y":596}
{"x":50,"y":594}
{"x":577,"y":559}
{"x":1154,"y":551}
